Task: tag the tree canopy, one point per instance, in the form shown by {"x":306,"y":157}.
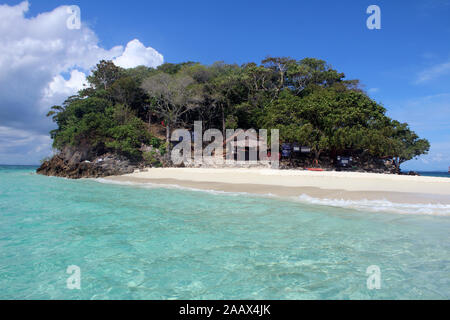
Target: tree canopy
{"x":309,"y":101}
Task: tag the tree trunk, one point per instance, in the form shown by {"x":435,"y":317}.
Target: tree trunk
{"x":167,"y":138}
{"x":223,"y":122}
{"x":397,"y":165}
{"x":316,"y":157}
{"x":167,"y":133}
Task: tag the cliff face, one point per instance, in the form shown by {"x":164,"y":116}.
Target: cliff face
{"x":77,"y":164}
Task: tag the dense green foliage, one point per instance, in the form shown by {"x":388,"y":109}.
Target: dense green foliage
{"x":309,"y":101}
{"x":104,"y":117}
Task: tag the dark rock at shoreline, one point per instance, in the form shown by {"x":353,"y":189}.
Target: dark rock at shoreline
{"x":410,"y":173}
{"x":72,"y":165}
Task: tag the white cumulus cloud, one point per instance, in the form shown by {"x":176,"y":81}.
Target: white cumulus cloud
{"x":136,"y":54}
{"x":61,"y":88}
{"x":41,"y":63}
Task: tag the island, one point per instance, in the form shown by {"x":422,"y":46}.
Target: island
{"x":123,"y":120}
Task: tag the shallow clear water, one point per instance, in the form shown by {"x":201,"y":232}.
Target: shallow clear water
{"x":154,"y":243}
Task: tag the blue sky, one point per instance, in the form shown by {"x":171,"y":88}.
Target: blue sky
{"x":405,"y":65}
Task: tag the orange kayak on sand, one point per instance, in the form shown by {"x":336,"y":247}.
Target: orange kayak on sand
{"x":314,"y":169}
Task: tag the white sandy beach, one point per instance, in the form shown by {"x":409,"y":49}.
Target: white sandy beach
{"x":290,"y":183}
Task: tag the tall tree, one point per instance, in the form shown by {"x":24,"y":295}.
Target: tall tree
{"x":408,"y":143}
{"x":172,"y":96}
{"x":104,"y":75}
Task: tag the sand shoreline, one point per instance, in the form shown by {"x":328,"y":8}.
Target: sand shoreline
{"x":349,"y":186}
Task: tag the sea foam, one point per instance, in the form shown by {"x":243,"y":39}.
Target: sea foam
{"x":380,"y":205}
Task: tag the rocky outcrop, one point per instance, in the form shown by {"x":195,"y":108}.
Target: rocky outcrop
{"x":74,"y":165}
{"x":410,"y":173}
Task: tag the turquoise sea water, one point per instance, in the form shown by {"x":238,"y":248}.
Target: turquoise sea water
{"x":153,"y":243}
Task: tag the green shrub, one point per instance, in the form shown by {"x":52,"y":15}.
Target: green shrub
{"x":152,"y":159}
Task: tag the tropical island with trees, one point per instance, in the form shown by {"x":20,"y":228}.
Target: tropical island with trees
{"x":123,"y":118}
